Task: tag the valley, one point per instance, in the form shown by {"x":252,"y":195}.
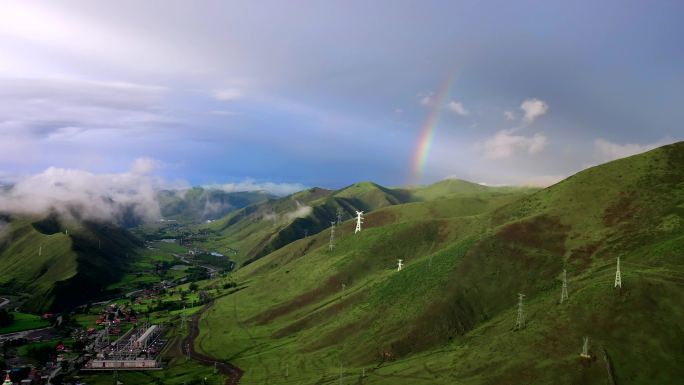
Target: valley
{"x":266,"y":295}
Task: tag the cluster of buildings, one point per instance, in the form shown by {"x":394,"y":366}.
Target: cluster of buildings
{"x":137,"y":349}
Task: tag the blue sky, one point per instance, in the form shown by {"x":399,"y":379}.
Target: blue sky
{"x":311,"y":93}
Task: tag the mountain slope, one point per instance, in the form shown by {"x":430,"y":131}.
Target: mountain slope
{"x":449,"y":315}
{"x":198,"y":204}
{"x":263,"y":228}
{"x":55,"y":270}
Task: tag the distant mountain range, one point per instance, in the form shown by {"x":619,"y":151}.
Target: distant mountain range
{"x":262,"y":228}
{"x":199,"y":204}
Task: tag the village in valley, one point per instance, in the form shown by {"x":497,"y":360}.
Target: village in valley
{"x":137,"y":325}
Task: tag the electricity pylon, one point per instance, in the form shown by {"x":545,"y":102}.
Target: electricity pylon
{"x":331,"y":244}
{"x":359,"y":221}
{"x":585,"y":348}
{"x":618,"y":277}
{"x":520,"y":322}
{"x":40,"y":250}
{"x":399,"y":264}
{"x":339,"y":215}
{"x":564,"y":290}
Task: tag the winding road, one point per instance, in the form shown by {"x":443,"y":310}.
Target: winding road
{"x":233,"y":372}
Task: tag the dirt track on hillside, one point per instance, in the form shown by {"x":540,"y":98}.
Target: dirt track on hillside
{"x":233,"y":372}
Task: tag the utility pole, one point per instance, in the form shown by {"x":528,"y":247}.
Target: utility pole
{"x":520,"y":322}
{"x":585,"y":348}
{"x":564,"y":290}
{"x":359,"y":221}
{"x":40,"y":250}
{"x":183,"y":319}
{"x":331,"y":244}
{"x":618,"y":277}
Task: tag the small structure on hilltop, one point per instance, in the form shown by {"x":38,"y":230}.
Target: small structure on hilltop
{"x":564,"y":290}
{"x":331,"y":244}
{"x":585,"y":349}
{"x":520,"y":322}
{"x":359,"y":221}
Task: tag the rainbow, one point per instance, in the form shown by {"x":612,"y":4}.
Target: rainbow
{"x":427,"y":132}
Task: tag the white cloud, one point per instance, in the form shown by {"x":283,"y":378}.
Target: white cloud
{"x":425,"y":99}
{"x":222,"y":112}
{"x":510,"y":115}
{"x":280,"y":189}
{"x":63,"y":108}
{"x":606,"y":151}
{"x":78,"y":193}
{"x":145,"y":165}
{"x":533,"y":108}
{"x":505,"y":144}
{"x":227,"y":94}
{"x":457,"y":107}
{"x":301,"y":212}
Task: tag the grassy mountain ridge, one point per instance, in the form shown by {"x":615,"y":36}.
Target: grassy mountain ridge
{"x":199,"y":204}
{"x":260,"y":229}
{"x":55,"y":270}
{"x":449,"y":315}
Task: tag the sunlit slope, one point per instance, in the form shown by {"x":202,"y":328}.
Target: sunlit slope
{"x":449,"y":315}
{"x":263,"y":228}
{"x":56,"y":271}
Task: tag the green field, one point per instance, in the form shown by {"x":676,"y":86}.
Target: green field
{"x":24,"y":321}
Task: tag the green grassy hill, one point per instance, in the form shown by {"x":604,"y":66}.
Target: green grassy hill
{"x":198,"y":204}
{"x":57,"y":271}
{"x":449,"y":316}
{"x":260,"y":229}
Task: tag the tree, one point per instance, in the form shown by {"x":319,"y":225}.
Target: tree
{"x":6,"y":318}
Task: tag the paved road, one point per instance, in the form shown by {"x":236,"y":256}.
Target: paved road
{"x":233,"y":372}
{"x":4,"y":301}
{"x":33,"y":334}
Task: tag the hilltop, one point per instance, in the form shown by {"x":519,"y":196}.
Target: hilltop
{"x":449,"y":316}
